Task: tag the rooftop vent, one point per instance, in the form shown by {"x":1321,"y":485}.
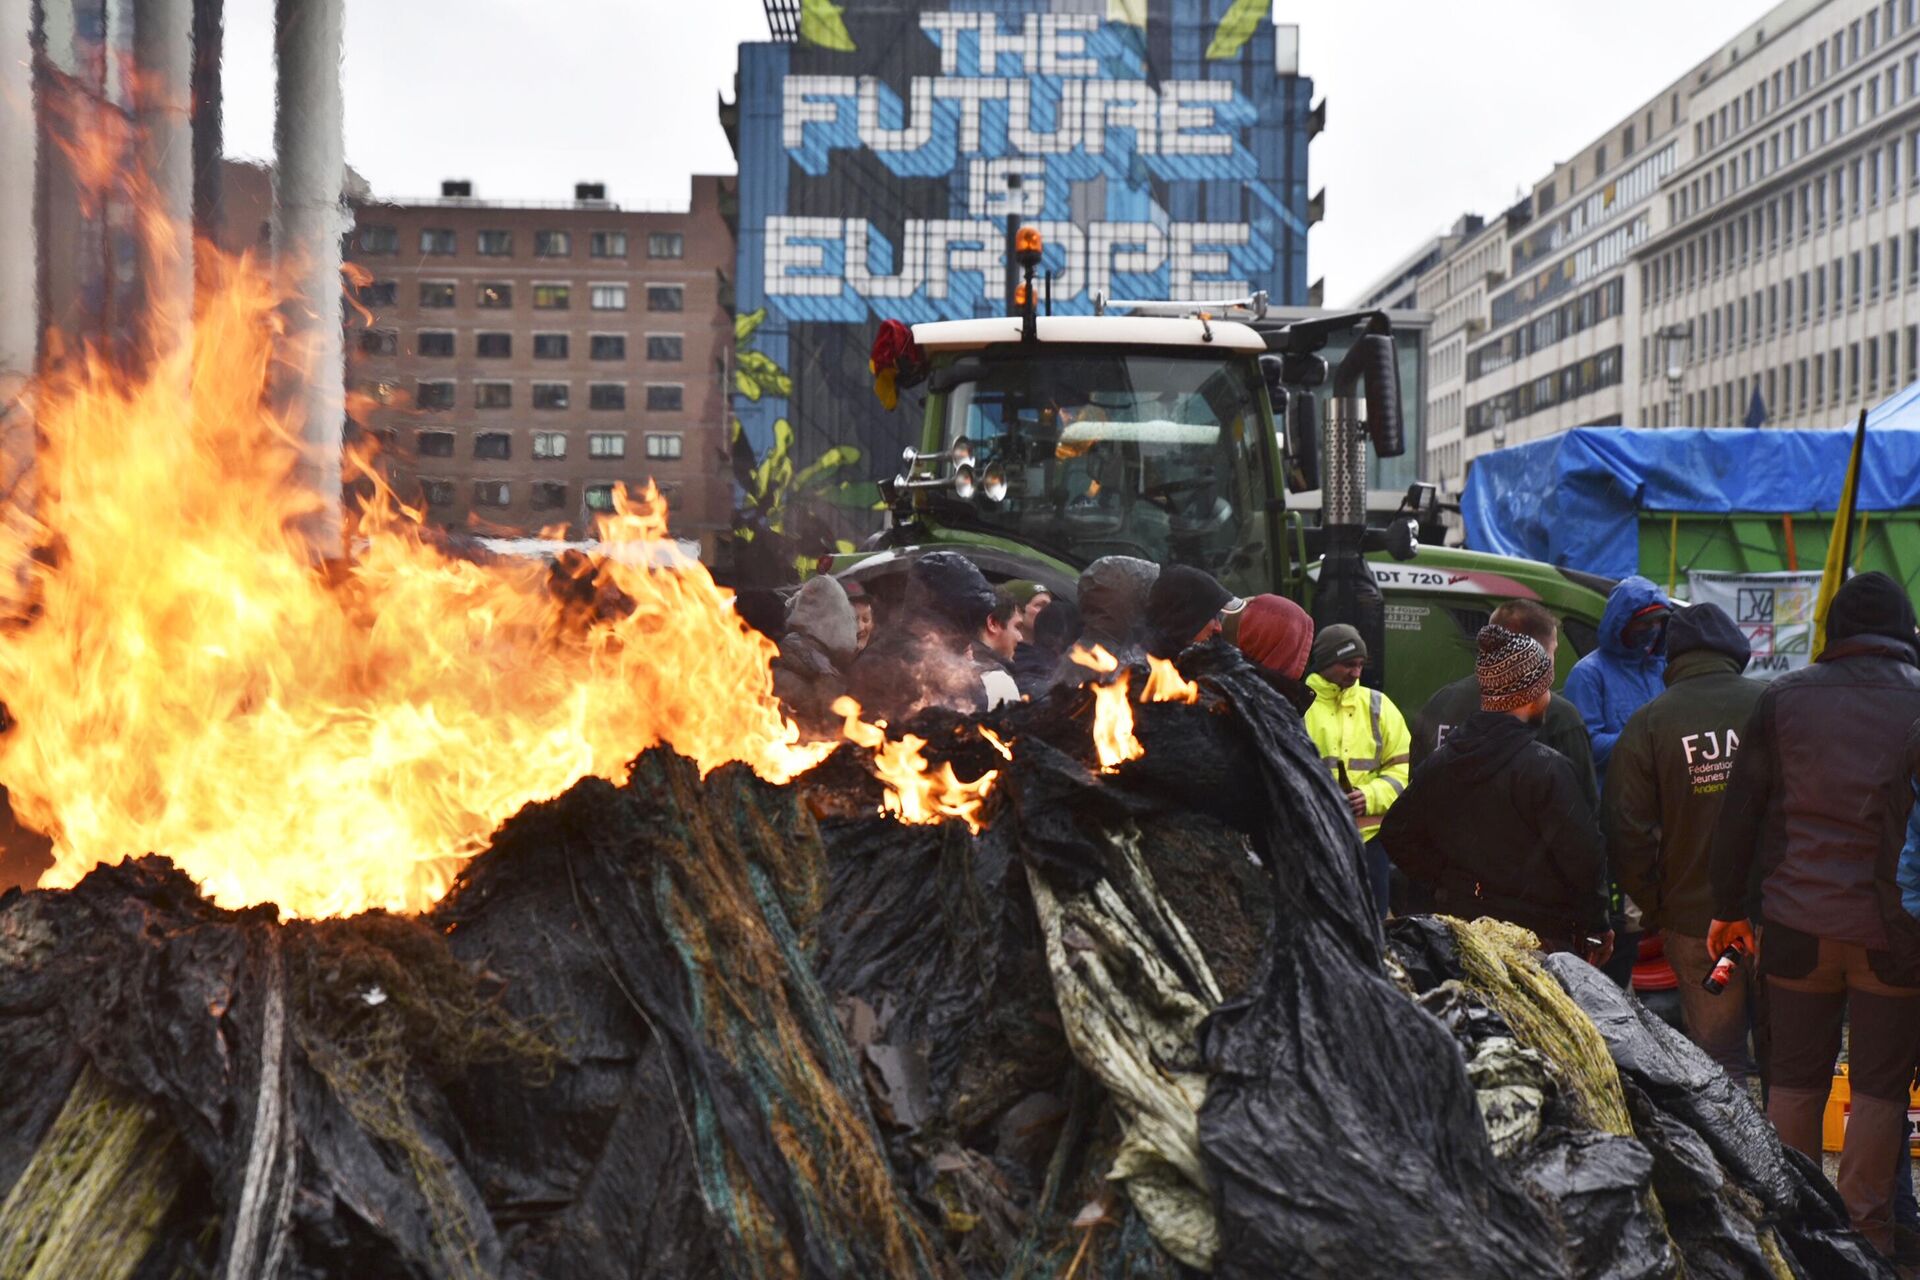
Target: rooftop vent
{"x":457,"y":189}
{"x":589,"y":191}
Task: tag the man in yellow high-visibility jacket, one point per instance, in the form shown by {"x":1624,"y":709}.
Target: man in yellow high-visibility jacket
{"x":1362,"y":737}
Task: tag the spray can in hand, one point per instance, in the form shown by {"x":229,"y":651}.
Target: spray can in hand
{"x":1722,"y":973}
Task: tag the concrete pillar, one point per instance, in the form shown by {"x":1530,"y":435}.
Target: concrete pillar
{"x":19,"y":243}
{"x":162,"y":93}
{"x":309,"y":219}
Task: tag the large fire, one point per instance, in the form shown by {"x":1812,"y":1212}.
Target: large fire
{"x":185,"y":680}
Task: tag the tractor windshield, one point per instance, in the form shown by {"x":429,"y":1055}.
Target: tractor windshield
{"x":1119,"y":453}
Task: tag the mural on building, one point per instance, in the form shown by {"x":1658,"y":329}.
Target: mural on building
{"x":1159,"y":145}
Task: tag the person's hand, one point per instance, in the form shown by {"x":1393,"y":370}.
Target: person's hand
{"x":1722,"y":934}
{"x":1357,"y":801}
{"x":1598,"y":956}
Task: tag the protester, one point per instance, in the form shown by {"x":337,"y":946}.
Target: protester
{"x":1562,"y":729}
{"x":1055,"y":632}
{"x":862,"y":614}
{"x":1113,"y":601}
{"x":1819,"y":787}
{"x":810,"y":671}
{"x":994,"y":648}
{"x":1187,"y":606}
{"x":1277,"y":636}
{"x":1034,"y":600}
{"x":1361,"y":736}
{"x":1623,"y":674}
{"x":1664,"y":793}
{"x":1495,"y":823}
{"x":923,"y":657}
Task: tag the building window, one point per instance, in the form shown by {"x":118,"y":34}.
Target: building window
{"x":438,"y":242}
{"x":666,"y":244}
{"x":548,"y":495}
{"x":663,"y":346}
{"x":495,"y":244}
{"x":549,"y":346}
{"x":665,"y":297}
{"x":493,"y":446}
{"x":494,"y":295}
{"x":607,"y":244}
{"x":549,"y":444}
{"x":493,"y":346}
{"x":379,"y":293}
{"x":493,"y":395}
{"x":379,"y":342}
{"x":492,"y":493}
{"x":550,"y":395}
{"x":665,"y":446}
{"x":552,"y":244}
{"x":435,"y":294}
{"x":664,"y":397}
{"x":438,"y":493}
{"x":433,"y":395}
{"x":609,"y":297}
{"x":607,"y":346}
{"x":607,"y":395}
{"x":602,"y":444}
{"x":434,"y":342}
{"x":433,"y":444}
{"x":599,"y":497}
{"x":552,"y":297}
{"x":379,"y":239}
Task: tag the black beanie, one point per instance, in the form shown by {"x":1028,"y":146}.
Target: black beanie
{"x":1706,"y":626}
{"x":1870,"y":604}
{"x":1182,"y":601}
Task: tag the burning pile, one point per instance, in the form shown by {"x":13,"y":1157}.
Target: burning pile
{"x":675,"y":1027}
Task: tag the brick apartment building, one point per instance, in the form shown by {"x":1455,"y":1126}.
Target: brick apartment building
{"x":527,"y":356}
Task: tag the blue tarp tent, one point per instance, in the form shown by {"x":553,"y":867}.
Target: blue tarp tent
{"x":1574,"y":499}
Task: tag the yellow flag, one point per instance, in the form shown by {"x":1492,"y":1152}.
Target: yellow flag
{"x":1840,"y":540}
{"x":822,"y":26}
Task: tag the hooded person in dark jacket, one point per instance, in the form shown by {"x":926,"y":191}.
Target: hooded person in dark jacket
{"x":1561,"y":728}
{"x":1664,"y":792}
{"x":924,"y":656}
{"x":1623,"y":674}
{"x":1813,"y":811}
{"x":1055,"y":631}
{"x":818,"y":648}
{"x":1113,"y":605}
{"x":1495,"y":824}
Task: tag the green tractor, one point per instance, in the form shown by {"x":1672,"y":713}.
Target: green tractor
{"x":1050,"y":441}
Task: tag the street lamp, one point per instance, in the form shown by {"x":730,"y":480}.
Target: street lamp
{"x":1674,"y":343}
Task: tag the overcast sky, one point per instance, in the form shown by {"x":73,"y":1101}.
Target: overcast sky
{"x":1434,"y":108}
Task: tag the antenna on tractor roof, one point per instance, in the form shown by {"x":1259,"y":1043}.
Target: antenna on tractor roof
{"x":1256,"y":303}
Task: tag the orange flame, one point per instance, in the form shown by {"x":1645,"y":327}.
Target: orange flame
{"x":914,"y":792}
{"x":187,"y":682}
{"x":1113,"y":739}
{"x":1166,"y":684}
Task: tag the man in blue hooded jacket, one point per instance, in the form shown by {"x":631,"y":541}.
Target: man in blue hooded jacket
{"x":1627,"y":670}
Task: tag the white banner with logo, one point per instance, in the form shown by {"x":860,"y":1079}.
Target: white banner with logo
{"x":1774,"y":610}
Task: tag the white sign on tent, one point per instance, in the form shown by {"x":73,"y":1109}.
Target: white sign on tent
{"x":1774,"y":610}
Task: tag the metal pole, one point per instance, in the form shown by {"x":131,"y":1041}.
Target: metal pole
{"x":309,"y":219}
{"x":19,"y":244}
{"x":163,"y":158}
{"x":208,"y":40}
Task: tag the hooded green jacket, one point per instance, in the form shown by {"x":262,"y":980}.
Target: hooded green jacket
{"x":1666,"y":784}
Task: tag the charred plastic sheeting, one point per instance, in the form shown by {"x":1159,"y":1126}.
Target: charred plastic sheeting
{"x":679,"y":1028}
